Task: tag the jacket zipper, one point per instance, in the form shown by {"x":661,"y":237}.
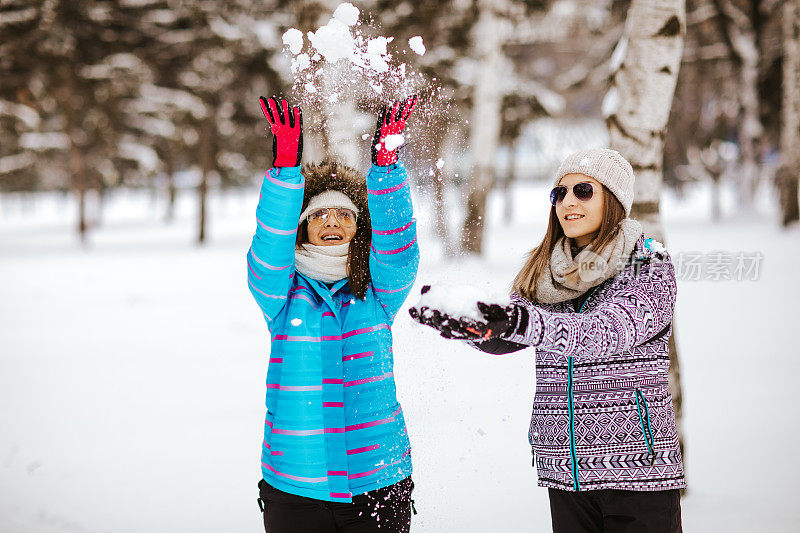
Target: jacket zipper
{"x":576,"y":483}
{"x":648,"y":434}
{"x":571,"y":410}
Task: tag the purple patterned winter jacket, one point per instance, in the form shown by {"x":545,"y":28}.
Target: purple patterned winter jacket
{"x":602,"y":415}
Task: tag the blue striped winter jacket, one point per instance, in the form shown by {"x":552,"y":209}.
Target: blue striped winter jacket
{"x":333,"y":428}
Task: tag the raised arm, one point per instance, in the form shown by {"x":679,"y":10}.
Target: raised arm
{"x":270,"y":259}
{"x":394,"y":255}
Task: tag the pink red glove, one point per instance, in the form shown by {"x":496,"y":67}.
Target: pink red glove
{"x":287,"y":132}
{"x":390,"y":122}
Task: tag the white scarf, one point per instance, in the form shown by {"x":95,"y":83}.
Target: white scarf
{"x":327,"y":264}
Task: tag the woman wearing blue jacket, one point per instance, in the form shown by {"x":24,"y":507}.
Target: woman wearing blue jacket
{"x":332,"y":260}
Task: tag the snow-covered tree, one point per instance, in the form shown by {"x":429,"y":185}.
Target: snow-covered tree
{"x":213,"y":59}
{"x":54,"y":48}
{"x":485,"y":118}
{"x":116,"y":92}
{"x":740,"y":34}
{"x":723,"y":97}
{"x":492,"y":78}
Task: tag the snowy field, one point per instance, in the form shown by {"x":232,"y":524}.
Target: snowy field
{"x":132,"y":376}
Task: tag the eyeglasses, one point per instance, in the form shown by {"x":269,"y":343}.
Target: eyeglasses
{"x":583,"y":191}
{"x":346,"y":217}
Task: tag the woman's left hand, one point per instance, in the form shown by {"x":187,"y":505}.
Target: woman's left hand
{"x":391,"y":122}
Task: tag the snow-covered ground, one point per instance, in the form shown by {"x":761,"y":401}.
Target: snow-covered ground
{"x":132,"y":376}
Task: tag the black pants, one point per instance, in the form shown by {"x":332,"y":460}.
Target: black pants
{"x":616,"y":511}
{"x":386,"y":510}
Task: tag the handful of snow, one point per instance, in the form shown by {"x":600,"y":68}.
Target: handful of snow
{"x":391,"y":142}
{"x":459,"y":301}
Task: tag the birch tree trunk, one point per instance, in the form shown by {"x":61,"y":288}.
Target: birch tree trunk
{"x":510,"y":182}
{"x":751,"y":130}
{"x":637,"y":107}
{"x":787,"y":176}
{"x":437,"y":141}
{"x":484,"y":122}
{"x":739,"y":32}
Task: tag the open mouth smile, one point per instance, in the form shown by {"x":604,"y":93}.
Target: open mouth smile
{"x":331,"y":237}
{"x":573,"y":216}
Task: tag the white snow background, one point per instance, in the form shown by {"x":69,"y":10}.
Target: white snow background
{"x":132,"y":375}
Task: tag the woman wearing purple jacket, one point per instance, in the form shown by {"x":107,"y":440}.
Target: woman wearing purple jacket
{"x":596,"y":300}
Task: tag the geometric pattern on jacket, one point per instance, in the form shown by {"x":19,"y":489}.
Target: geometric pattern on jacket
{"x":333,"y":427}
{"x":602,"y":414}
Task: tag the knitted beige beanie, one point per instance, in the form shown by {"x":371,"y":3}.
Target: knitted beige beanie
{"x":606,"y":166}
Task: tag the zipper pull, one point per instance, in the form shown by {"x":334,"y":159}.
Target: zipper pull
{"x":652,"y":458}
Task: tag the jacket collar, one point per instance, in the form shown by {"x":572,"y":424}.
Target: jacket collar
{"x":323,"y":291}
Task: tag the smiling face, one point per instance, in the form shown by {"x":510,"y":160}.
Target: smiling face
{"x":330,"y":232}
{"x":580,"y":219}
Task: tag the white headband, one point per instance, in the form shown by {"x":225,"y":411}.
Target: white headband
{"x":328,"y":199}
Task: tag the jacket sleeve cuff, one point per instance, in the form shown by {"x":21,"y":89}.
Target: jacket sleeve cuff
{"x":285,"y":171}
{"x":394,"y":167}
{"x":528,"y":328}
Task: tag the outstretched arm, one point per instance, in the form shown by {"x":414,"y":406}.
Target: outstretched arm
{"x":632,"y":316}
{"x":394,"y":255}
{"x":270,"y":259}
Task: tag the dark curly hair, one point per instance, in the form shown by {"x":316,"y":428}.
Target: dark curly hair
{"x":332,"y":176}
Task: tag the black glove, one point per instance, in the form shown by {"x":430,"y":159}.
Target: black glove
{"x":498,"y":321}
{"x":501,"y":321}
{"x":447,"y":326}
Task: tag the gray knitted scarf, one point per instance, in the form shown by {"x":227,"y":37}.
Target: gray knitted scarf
{"x":568,"y":277}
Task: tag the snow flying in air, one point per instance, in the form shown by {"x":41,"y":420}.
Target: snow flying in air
{"x":346,"y":67}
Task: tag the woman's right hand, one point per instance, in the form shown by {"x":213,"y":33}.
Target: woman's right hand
{"x":287,"y":131}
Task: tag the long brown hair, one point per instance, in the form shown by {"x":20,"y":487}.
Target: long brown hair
{"x":539,"y":258}
{"x":329,"y":175}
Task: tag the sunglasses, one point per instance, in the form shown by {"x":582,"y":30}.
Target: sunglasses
{"x":346,"y":217}
{"x":583,"y":191}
